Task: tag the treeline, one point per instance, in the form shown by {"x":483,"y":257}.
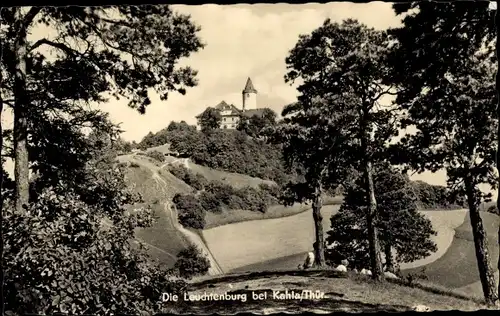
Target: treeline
{"x":227,"y":150}
{"x":437,"y":197}
{"x":215,"y":196}
{"x":234,"y":151}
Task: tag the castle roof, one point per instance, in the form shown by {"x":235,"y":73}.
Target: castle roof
{"x":252,"y":112}
{"x":249,"y":88}
{"x":224,"y":106}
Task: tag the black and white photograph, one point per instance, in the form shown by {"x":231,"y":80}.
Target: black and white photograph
{"x":193,"y":159}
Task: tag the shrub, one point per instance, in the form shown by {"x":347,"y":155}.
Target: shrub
{"x":191,"y":262}
{"x":195,"y":180}
{"x":156,"y":155}
{"x":134,"y":165}
{"x":272,"y":190}
{"x":254,"y":199}
{"x":178,"y":171}
{"x":209,"y":202}
{"x":190,"y":212}
{"x":221,"y":190}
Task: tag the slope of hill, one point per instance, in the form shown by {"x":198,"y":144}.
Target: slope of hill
{"x":457,"y":268}
{"x":244,"y":243}
{"x":341,"y":293}
{"x":163,"y":239}
{"x":234,"y":179}
{"x":279,"y":242}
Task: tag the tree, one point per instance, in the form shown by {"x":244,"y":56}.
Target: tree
{"x":93,"y":47}
{"x":190,"y":211}
{"x":348,"y":60}
{"x":444,"y":63}
{"x":191,"y":262}
{"x":71,"y":251}
{"x":210,"y":119}
{"x":124,"y":51}
{"x":313,"y":137}
{"x":402,"y":228}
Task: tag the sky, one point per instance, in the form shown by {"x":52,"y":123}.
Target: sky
{"x":242,"y":41}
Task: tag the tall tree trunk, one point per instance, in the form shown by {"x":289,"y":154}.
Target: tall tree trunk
{"x":497,"y":23}
{"x":371,"y":214}
{"x":371,"y":217}
{"x":319,"y":245}
{"x":21,"y":167}
{"x":389,"y":260}
{"x":481,"y":244}
{"x":1,"y":197}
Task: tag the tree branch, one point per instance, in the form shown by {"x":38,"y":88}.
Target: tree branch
{"x":44,"y":41}
{"x":28,"y":19}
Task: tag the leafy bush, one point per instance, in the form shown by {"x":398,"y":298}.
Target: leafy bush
{"x":191,"y":262}
{"x":210,"y":202}
{"x":60,"y":257}
{"x":155,"y":154}
{"x":190,"y":212}
{"x":436,"y":197}
{"x":401,"y":226}
{"x":135,"y":165}
{"x":195,"y":180}
{"x":221,"y":190}
{"x":178,"y":171}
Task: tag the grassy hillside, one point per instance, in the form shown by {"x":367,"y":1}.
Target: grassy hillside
{"x":444,"y":222}
{"x":235,"y":179}
{"x":162,"y":239}
{"x":342,"y":293}
{"x":458,"y":266}
{"x":250,"y":242}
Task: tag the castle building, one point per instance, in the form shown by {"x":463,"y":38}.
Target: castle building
{"x":231,"y":115}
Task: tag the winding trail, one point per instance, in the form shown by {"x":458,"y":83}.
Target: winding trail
{"x":191,"y":236}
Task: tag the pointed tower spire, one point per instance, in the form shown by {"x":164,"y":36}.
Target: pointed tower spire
{"x":249,"y":87}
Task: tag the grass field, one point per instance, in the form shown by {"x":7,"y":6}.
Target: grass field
{"x":275,"y":211}
{"x":457,"y":268}
{"x":162,"y":239}
{"x":250,"y":242}
{"x":293,"y":246}
{"x":234,"y":179}
{"x":343,"y":292}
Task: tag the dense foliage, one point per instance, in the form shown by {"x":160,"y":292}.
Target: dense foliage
{"x":156,"y":155}
{"x":189,"y":211}
{"x":216,"y":196}
{"x":437,"y":197}
{"x":70,"y":251}
{"x":191,"y":262}
{"x":196,"y":180}
{"x":228,"y":150}
{"x":402,"y":228}
{"x":255,"y":124}
{"x":444,"y":56}
{"x":210,"y":119}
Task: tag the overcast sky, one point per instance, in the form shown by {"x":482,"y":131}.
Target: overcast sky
{"x":245,"y":41}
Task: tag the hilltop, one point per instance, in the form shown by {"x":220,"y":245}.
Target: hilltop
{"x":236,"y":240}
{"x":338,"y":292}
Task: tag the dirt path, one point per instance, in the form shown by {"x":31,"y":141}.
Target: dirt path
{"x":193,"y":237}
{"x":215,"y":269}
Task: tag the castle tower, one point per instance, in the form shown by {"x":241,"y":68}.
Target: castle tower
{"x":249,"y":96}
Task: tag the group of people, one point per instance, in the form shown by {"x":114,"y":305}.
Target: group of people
{"x":342,"y":267}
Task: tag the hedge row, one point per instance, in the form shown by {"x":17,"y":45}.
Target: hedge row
{"x":215,"y":196}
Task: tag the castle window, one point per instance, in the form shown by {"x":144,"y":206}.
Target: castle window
{"x":224,"y":119}
{"x":248,"y":94}
{"x":225,"y":126}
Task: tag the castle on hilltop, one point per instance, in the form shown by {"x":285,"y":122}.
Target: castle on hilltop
{"x":231,"y":115}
